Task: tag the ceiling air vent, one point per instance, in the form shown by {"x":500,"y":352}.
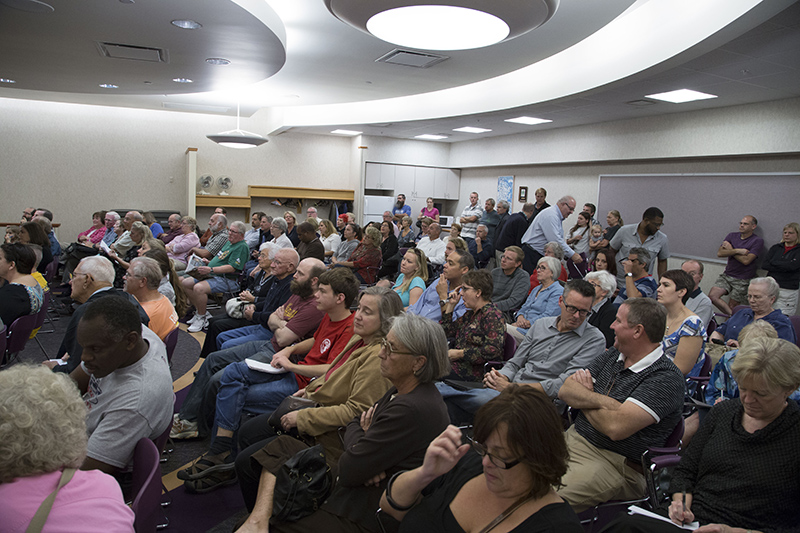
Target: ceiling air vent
{"x":407,"y":58}
{"x":641,"y":103}
{"x":135,"y":53}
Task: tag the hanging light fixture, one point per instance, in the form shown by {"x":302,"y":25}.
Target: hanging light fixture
{"x":238,"y":138}
{"x":443,"y":24}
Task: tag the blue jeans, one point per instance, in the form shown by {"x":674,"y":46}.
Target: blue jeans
{"x":243,"y":335}
{"x":211,"y":370}
{"x":242,"y":389}
{"x":462,"y":405}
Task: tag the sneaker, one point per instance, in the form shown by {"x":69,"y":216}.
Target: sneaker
{"x":200,"y":324}
{"x":197,"y":316}
{"x":183,"y":429}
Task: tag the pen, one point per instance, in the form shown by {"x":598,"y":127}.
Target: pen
{"x":683,"y":505}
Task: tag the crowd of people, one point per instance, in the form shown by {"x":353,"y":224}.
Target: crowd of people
{"x":392,"y":339}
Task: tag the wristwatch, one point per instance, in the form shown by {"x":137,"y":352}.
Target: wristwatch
{"x":442,"y":303}
{"x":629,"y":274}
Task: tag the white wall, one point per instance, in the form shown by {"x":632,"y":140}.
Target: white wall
{"x":76,"y":159}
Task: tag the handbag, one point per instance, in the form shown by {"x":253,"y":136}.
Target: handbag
{"x":289,"y":404}
{"x":235,"y":307}
{"x":302,"y":485}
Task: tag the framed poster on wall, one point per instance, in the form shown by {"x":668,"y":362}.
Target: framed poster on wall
{"x":505,"y":189}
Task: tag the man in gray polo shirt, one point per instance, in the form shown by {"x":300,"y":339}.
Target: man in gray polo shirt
{"x":646,"y":234}
{"x":553,"y":348}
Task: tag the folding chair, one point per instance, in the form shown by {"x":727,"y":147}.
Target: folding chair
{"x":146,"y":486}
{"x":17,"y":337}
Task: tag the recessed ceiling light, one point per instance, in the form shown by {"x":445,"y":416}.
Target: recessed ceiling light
{"x":347,"y":132}
{"x":528,"y":121}
{"x":109,"y":86}
{"x":470,"y":129}
{"x":218,"y":61}
{"x":181,"y":80}
{"x":681,"y":96}
{"x":438,"y":27}
{"x":6,"y":80}
{"x":430,"y":137}
{"x":187,"y":24}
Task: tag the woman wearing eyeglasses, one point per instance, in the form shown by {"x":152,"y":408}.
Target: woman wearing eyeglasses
{"x":480,"y":332}
{"x":390,"y":436}
{"x":505,"y":483}
{"x":543,"y":299}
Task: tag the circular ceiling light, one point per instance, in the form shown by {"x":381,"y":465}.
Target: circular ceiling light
{"x":438,"y":27}
{"x":443,"y":24}
{"x":239,"y":139}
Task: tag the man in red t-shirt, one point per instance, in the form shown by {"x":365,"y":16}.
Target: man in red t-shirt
{"x":261,"y":391}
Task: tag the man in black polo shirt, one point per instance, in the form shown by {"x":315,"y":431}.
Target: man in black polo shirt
{"x":630,"y":398}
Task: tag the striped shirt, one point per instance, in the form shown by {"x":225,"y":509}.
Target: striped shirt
{"x":655,"y":384}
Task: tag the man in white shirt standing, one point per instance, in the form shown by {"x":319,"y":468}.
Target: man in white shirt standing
{"x":470,"y":217}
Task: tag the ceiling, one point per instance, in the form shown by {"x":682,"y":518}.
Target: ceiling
{"x":295,"y":67}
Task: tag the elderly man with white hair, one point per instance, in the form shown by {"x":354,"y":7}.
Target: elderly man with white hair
{"x":142,"y":280}
{"x":221,"y":275}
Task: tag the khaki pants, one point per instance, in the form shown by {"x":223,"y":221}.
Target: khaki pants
{"x":595,"y":476}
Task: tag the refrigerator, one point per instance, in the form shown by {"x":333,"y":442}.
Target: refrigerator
{"x":374,"y":206}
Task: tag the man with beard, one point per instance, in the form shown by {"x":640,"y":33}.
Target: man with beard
{"x":400,"y":209}
{"x":646,"y":234}
{"x":294,"y":321}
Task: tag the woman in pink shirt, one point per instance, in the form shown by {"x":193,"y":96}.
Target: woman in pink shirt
{"x":429,"y":211}
{"x":178,"y":249}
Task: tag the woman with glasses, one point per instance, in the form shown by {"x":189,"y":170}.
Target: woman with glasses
{"x":391,"y":436}
{"x":479,"y":334}
{"x":504,"y":479}
{"x":543,"y":299}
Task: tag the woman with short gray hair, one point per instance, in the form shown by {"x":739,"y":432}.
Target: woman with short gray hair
{"x":604,"y":312}
{"x":43,"y":445}
{"x":761,"y":294}
{"x":542,"y":301}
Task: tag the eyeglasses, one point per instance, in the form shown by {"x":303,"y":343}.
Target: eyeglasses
{"x":74,"y":275}
{"x":541,"y":267}
{"x":571,"y":309}
{"x":593,"y":283}
{"x":481,"y":450}
{"x":387,"y":347}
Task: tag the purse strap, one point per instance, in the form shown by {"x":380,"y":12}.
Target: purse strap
{"x":505,"y":514}
{"x":38,"y":520}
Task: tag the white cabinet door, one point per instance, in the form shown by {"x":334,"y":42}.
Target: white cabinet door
{"x":424,"y":183}
{"x":372,"y":177}
{"x":404,"y":181}
{"x":453,"y":184}
{"x":388,"y":176}
{"x":440,"y":183}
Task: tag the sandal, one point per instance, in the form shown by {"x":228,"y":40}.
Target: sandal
{"x":206,"y":465}
{"x":211,"y":482}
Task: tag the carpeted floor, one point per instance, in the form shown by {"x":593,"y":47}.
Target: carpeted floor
{"x":215,"y":512}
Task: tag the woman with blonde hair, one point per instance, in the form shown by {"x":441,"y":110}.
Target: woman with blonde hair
{"x":291,"y":227}
{"x":329,"y":236}
{"x":406,"y":235}
{"x":783,"y":265}
{"x":413,"y":275}
{"x":42,"y":447}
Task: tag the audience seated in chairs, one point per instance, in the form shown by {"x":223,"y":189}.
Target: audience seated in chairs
{"x":432,"y":245}
{"x":310,"y":245}
{"x":246,"y":390}
{"x":518,"y":457}
{"x":221,"y":275}
{"x":405,"y":236}
{"x":542,"y":301}
{"x":330,"y":237}
{"x":170,"y":285}
{"x":479,"y":334}
{"x":413,"y":277}
{"x":553,"y":349}
{"x":685,"y":334}
{"x":294,"y":321}
{"x":217,"y":237}
{"x":481,"y":247}
{"x":351,"y":238}
{"x":42,"y":444}
{"x":740,"y":470}
{"x":365,"y":259}
{"x":387,"y":438}
{"x":138,"y":234}
{"x":74,"y":254}
{"x":631,"y":398}
{"x":267,"y":289}
{"x":390,"y":256}
{"x":551,"y":249}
